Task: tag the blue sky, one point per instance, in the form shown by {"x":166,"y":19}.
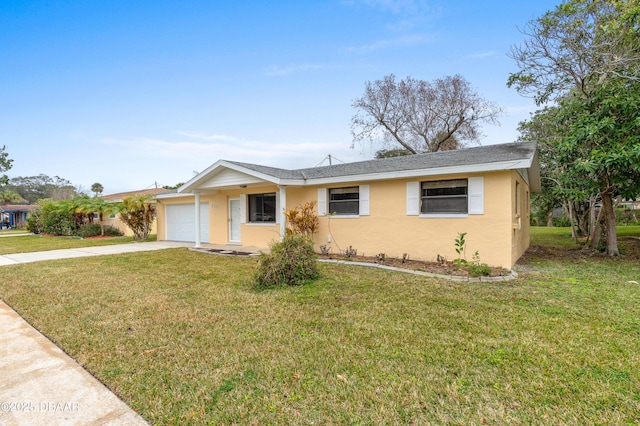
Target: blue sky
{"x":130,"y":93}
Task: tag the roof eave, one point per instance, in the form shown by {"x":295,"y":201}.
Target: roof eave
{"x":447,"y":170}
{"x":192,"y":185}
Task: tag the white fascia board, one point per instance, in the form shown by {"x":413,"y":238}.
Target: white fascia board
{"x":534,"y":174}
{"x":250,"y":172}
{"x":472,"y":168}
{"x":172,"y":195}
{"x":214,"y":168}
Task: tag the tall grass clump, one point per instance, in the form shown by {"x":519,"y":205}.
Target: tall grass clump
{"x":290,"y":262}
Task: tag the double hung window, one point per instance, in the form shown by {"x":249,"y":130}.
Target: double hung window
{"x":444,"y":197}
{"x":344,"y":201}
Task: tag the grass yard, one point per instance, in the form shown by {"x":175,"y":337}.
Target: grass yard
{"x":183,"y":338}
{"x":32,"y":243}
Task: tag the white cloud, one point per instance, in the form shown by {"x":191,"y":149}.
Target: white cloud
{"x":215,"y":147}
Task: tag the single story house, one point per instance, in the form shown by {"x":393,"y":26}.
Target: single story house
{"x":15,"y":216}
{"x":416,"y":204}
{"x":113,"y":219}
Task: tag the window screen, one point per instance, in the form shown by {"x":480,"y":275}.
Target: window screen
{"x":344,"y":201}
{"x":444,"y":196}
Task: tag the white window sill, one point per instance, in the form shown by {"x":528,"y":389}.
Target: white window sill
{"x":445,"y":216}
{"x":343,"y":216}
{"x":261,"y":223}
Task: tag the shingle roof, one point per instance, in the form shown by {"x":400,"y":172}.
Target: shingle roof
{"x":121,"y":195}
{"x":19,"y":207}
{"x":478,"y":155}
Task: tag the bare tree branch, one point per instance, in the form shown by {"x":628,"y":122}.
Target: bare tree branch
{"x":421,"y":116}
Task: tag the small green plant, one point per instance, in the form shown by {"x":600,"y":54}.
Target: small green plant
{"x":460,"y":249}
{"x":290,"y":262}
{"x":477,"y":269}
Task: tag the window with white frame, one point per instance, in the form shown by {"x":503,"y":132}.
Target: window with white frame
{"x":344,"y":201}
{"x":444,"y":197}
{"x":262,"y":208}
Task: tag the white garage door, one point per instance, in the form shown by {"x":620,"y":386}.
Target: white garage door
{"x":181,"y":222}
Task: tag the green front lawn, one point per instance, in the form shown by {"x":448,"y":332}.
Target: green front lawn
{"x":184,"y":338}
{"x":31,"y":243}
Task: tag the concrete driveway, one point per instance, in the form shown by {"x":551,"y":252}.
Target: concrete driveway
{"x":12,"y":259}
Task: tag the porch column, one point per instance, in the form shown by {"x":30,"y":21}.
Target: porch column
{"x":197,"y":196}
{"x":283,"y":207}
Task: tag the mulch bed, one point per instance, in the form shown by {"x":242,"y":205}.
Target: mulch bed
{"x":440,"y":268}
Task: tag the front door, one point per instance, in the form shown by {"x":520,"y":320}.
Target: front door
{"x":234,"y":220}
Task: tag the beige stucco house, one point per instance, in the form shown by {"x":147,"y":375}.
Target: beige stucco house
{"x":414,"y":204}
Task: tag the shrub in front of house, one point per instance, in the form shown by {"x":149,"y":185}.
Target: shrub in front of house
{"x":89,"y":230}
{"x":57,"y":220}
{"x":94,"y":230}
{"x":110,"y":231}
{"x":34,"y":222}
{"x":291,"y":261}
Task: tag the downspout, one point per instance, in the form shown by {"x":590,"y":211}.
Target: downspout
{"x":283,"y":207}
{"x":197,"y":201}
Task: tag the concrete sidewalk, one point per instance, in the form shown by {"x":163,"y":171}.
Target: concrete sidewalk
{"x":39,"y":383}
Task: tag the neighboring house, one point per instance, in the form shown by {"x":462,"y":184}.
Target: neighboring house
{"x":414,"y":204}
{"x":113,"y":219}
{"x":14,"y":216}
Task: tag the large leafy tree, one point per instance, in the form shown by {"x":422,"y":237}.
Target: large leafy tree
{"x":34,"y":188}
{"x":603,"y":145}
{"x":5,"y":164}
{"x":421,"y":116}
{"x":585,"y":54}
{"x":8,"y":196}
{"x":557,"y":188}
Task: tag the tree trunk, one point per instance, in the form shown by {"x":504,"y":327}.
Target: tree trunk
{"x":569,"y":207}
{"x":581,"y":212}
{"x":596,"y":230}
{"x":610,"y":224}
{"x":592,"y":217}
{"x":550,"y":219}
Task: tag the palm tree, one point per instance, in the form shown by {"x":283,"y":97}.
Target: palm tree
{"x":90,"y":206}
{"x":97,"y":188}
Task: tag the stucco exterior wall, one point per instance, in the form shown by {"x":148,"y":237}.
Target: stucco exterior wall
{"x":388,"y":229}
{"x":521,"y":213}
{"x":495,"y":234}
{"x":126,"y":231}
